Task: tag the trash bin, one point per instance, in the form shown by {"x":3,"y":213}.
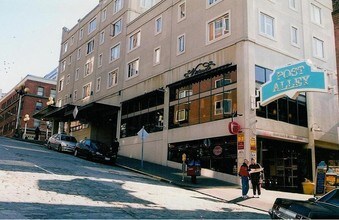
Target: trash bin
{"x":308,"y":187}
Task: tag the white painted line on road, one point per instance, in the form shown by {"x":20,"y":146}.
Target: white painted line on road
{"x":6,"y":148}
{"x":45,"y":170}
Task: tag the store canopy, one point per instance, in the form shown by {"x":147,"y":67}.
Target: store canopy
{"x":204,"y":74}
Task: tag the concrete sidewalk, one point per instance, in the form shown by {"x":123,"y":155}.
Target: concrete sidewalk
{"x":222,"y":190}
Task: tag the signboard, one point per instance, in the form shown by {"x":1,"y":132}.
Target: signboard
{"x":253,"y":144}
{"x":291,"y":80}
{"x":241,"y":141}
{"x":234,"y":127}
{"x":143,"y":134}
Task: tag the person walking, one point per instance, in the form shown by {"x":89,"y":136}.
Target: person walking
{"x":244,"y":175}
{"x":255,"y":170}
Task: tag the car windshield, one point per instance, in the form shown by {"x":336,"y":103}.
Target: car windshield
{"x":68,"y":138}
{"x":99,"y":145}
{"x":331,"y":197}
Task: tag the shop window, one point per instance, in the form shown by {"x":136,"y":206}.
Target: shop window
{"x":218,"y":154}
{"x":222,"y":82}
{"x":272,"y":110}
{"x":292,"y":112}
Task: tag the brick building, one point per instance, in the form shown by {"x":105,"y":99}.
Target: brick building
{"x":35,"y":97}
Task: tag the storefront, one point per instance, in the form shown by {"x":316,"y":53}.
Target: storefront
{"x":286,"y":164}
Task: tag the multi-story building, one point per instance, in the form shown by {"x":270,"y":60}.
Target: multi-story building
{"x":33,"y":92}
{"x":185,"y":69}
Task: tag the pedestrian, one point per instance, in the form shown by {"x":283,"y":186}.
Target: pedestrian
{"x":244,"y":175}
{"x":255,"y":173}
{"x":37,"y":133}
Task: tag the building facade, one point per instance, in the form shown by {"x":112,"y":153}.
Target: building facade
{"x":185,"y":69}
{"x":35,"y":92}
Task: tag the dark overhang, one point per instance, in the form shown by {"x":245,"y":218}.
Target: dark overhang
{"x":91,"y":111}
{"x":42,"y":113}
{"x":205,"y":75}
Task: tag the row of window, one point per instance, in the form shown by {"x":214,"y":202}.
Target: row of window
{"x":268,"y":29}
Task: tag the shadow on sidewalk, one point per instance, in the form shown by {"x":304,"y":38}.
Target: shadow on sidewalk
{"x":170,"y":175}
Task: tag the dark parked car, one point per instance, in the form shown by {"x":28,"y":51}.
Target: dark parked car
{"x":62,"y":142}
{"x":96,"y":150}
{"x":325,"y":207}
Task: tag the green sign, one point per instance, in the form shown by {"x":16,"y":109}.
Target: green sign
{"x":291,"y":80}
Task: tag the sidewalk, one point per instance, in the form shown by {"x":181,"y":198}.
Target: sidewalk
{"x":222,"y":190}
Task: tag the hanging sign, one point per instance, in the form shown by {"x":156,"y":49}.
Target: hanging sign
{"x":291,"y":80}
{"x":234,"y":127}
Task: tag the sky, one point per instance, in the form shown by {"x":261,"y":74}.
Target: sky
{"x":30,"y":35}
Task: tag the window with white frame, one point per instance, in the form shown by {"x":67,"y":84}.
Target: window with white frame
{"x":72,"y":40}
{"x":185,"y":93}
{"x":223,"y":107}
{"x":89,"y":67}
{"x":86,"y":90}
{"x":81,"y":33}
{"x":102,"y":37}
{"x":103,"y":15}
{"x":65,"y":47}
{"x":156,"y":59}
{"x":92,"y":25}
{"x":100,"y":60}
{"x":115,"y":53}
{"x":294,"y":36}
{"x":182,"y":11}
{"x":112,"y":78}
{"x":266,"y":25}
{"x":181,"y":44}
{"x":90,"y":46}
{"x":315,"y":14}
{"x":182,"y":115}
{"x":79,"y":54}
{"x":68,"y":79}
{"x":118,"y":4}
{"x":222,"y":82}
{"x":69,"y":59}
{"x":52,"y":93}
{"x":76,"y":74}
{"x":40,"y":91}
{"x":158,"y":25}
{"x":61,"y":84}
{"x":133,"y":68}
{"x":292,"y":4}
{"x":219,"y":28}
{"x":212,"y":2}
{"x":75,"y":95}
{"x":116,"y":28}
{"x":134,"y":40}
{"x":146,"y":3}
{"x":98,"y":84}
{"x":63,"y":66}
{"x":318,"y":48}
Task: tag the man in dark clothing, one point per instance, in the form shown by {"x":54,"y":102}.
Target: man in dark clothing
{"x":243,"y":173}
{"x":255,"y":170}
{"x":37,"y":133}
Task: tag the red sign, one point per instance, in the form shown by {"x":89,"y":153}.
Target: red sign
{"x":234,"y":127}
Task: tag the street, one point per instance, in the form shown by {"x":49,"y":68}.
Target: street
{"x":40,"y":183}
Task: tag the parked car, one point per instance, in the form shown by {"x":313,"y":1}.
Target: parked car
{"x":95,"y":150}
{"x":62,"y":142}
{"x":325,"y":207}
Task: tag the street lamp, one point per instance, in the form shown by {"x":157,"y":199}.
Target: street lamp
{"x":26,"y":119}
{"x":21,"y":91}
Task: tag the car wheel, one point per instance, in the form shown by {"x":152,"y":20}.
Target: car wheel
{"x":75,"y":152}
{"x":60,"y":148}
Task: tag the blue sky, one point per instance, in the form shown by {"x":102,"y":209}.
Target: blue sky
{"x":30,"y":35}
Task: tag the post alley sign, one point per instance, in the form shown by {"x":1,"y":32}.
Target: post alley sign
{"x":291,"y":80}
